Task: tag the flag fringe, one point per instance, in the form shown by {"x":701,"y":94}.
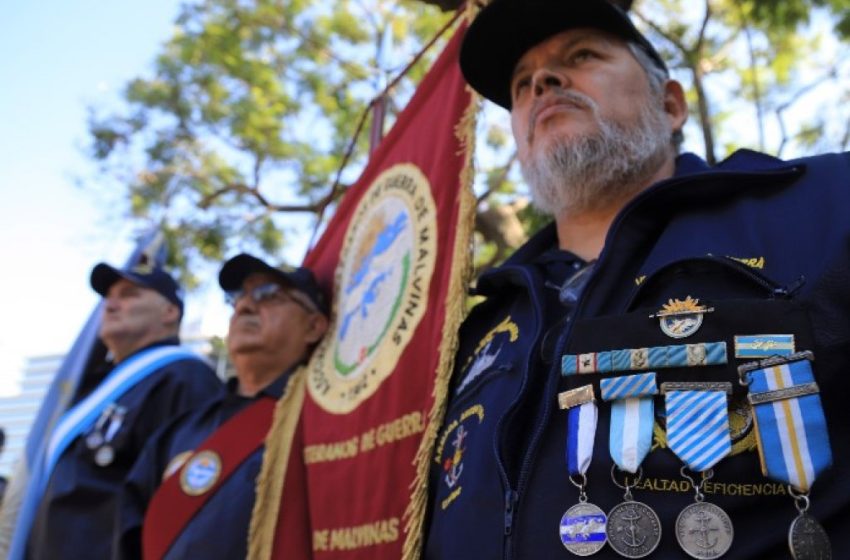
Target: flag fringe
{"x":269,"y":487}
{"x":414,"y":515}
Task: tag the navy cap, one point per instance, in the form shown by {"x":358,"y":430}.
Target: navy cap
{"x":234,"y":272}
{"x":103,"y":276}
{"x":505,"y":30}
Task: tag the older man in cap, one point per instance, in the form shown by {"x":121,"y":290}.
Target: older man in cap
{"x":147,"y":380}
{"x":639,"y":381}
{"x":194,"y":486}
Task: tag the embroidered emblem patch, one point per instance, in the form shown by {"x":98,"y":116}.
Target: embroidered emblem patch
{"x":488,"y":350}
{"x":451,"y":448}
{"x":381,"y":289}
{"x":200,"y":473}
{"x":681,"y":318}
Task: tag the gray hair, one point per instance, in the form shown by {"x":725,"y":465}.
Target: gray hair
{"x":657,"y":77}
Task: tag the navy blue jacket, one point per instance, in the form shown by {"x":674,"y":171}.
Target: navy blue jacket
{"x":78,"y":509}
{"x":766,"y":243}
{"x":220,"y":528}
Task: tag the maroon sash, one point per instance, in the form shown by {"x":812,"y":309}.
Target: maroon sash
{"x":171,"y":507}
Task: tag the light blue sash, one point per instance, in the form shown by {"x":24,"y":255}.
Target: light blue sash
{"x":78,"y":419}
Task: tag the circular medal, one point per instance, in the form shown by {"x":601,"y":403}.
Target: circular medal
{"x":633,"y":529}
{"x":200,"y":473}
{"x":807,"y":539}
{"x":704,"y":531}
{"x":104,"y":456}
{"x":582,"y":529}
{"x":94,"y":440}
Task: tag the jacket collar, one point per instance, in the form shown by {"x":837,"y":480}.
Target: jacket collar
{"x":741,"y":162}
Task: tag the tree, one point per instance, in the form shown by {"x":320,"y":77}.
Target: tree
{"x":252,"y":106}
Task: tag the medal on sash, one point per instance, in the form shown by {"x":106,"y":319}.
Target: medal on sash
{"x":95,"y":438}
{"x":100,"y":439}
{"x":633,"y":528}
{"x":792,"y":440}
{"x":582,"y":527}
{"x":698,"y":434}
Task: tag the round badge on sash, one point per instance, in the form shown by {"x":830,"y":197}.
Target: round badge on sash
{"x":200,"y":473}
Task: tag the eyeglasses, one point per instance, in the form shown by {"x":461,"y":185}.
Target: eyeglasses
{"x":266,"y":293}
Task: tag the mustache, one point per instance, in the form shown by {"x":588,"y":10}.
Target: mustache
{"x":245,"y":319}
{"x":561,"y":97}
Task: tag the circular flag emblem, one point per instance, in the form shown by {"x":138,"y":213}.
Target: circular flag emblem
{"x":381,"y":289}
{"x":200,"y":473}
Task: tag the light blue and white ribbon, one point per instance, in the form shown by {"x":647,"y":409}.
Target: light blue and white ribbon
{"x":793,"y":441}
{"x":632,"y":417}
{"x":654,"y":357}
{"x":698,"y":427}
{"x":78,"y":419}
{"x":764,"y":345}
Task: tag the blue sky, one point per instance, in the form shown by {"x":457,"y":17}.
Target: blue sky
{"x":59,"y":58}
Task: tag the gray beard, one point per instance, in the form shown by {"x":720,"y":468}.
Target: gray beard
{"x":592,"y":172}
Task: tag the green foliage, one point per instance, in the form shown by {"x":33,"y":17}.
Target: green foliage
{"x":247,"y":113}
{"x":252,"y":104}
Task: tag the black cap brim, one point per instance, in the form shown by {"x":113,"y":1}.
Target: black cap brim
{"x":505,"y":29}
{"x":103,"y":276}
{"x":234,"y":272}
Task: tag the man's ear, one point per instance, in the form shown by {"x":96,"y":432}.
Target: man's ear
{"x":675,"y":105}
{"x":317,"y":327}
{"x":171,"y":316}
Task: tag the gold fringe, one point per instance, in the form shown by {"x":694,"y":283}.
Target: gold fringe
{"x":414,"y":514}
{"x":273,"y":472}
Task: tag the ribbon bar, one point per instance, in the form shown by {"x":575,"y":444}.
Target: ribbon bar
{"x":720,"y":386}
{"x":783,"y":394}
{"x":628,"y":386}
{"x":576,"y":397}
{"x":653,"y":357}
{"x":764,"y":345}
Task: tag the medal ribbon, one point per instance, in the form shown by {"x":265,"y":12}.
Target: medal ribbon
{"x":698,"y":427}
{"x":581,"y":431}
{"x":793,"y":441}
{"x":632,"y":416}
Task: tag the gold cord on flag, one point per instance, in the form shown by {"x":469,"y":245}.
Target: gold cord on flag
{"x":414,"y":515}
{"x":278,"y":446}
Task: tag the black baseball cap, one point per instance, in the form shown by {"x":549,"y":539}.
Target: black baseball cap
{"x":505,"y":29}
{"x":235,"y":270}
{"x":103,"y":276}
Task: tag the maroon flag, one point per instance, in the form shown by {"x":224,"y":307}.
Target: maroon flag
{"x":396,"y":259}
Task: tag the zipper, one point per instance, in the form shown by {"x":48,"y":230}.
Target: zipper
{"x":773,"y":289}
{"x":511,"y":494}
{"x":511,"y":499}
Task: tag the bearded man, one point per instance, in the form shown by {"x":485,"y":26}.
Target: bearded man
{"x":621,"y":389}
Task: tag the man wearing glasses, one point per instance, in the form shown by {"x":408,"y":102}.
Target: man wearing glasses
{"x":193,"y":487}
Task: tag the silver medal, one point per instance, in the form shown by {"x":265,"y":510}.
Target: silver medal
{"x":704,"y":531}
{"x":104,"y":456}
{"x":94,"y":440}
{"x":633,"y":529}
{"x":808,"y":540}
{"x":582,"y":529}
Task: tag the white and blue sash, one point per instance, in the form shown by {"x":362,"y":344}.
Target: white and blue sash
{"x":632,"y":417}
{"x":81,"y":417}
